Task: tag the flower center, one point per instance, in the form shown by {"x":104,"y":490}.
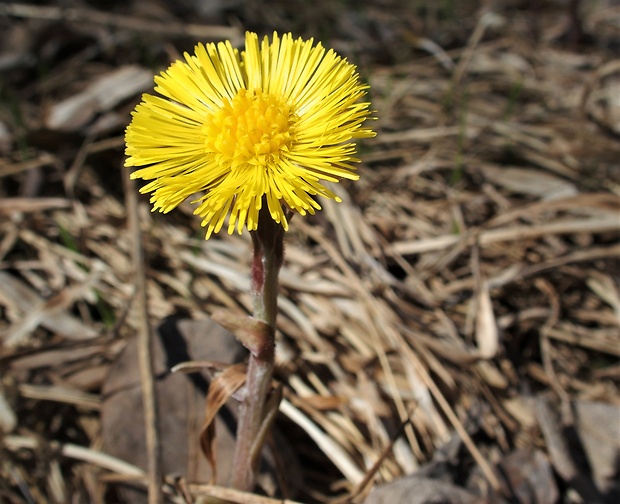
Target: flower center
{"x":254,"y":128}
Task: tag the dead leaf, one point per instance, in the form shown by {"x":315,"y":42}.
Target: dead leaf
{"x":180,"y":400}
{"x":530,"y":477}
{"x":561,"y":452}
{"x":180,"y":405}
{"x":598,"y":425}
{"x":419,"y":490}
{"x":532,"y":182}
{"x":100,"y":96}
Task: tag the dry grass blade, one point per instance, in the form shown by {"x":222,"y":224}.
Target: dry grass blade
{"x":14,"y":205}
{"x":76,"y":452}
{"x":333,"y":450}
{"x":567,"y":226}
{"x":587,"y":339}
{"x":46,"y":159}
{"x":236,"y":496}
{"x":84,"y":15}
{"x":48,"y":313}
{"x":372,"y":471}
{"x":60,"y":394}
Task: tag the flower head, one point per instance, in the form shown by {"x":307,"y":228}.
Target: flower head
{"x":236,"y":129}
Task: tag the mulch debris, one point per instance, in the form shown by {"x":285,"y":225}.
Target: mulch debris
{"x":451,"y":329}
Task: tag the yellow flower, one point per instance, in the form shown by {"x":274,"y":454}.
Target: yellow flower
{"x":236,"y":128}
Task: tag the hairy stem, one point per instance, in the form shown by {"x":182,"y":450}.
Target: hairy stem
{"x":268,"y":255}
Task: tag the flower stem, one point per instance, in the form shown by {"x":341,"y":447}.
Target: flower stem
{"x":268,"y":242}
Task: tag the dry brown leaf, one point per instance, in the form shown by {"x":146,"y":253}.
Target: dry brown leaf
{"x":560,"y":451}
{"x":537,"y":183}
{"x":180,"y":398}
{"x":598,"y":426}
{"x":101,"y":95}
{"x":530,"y":477}
{"x":419,"y":490}
{"x":333,"y":450}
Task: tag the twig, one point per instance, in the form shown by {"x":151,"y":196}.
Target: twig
{"x":145,"y":360}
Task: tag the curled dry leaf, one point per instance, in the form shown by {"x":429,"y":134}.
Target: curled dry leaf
{"x":221,"y":390}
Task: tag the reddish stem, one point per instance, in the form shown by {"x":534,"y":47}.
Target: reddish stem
{"x":268,"y":243}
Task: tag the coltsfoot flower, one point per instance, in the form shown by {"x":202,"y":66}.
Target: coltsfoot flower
{"x":235,"y":129}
